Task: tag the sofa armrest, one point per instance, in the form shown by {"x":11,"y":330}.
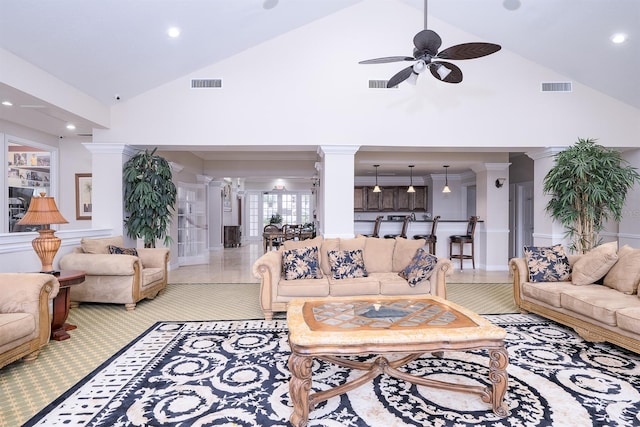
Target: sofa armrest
{"x":268,"y":268}
{"x":520,"y":272}
{"x":22,"y":292}
{"x":444,"y":268}
{"x":101,"y":264}
{"x":154,"y":257}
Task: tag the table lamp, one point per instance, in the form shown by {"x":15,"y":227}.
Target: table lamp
{"x":43,"y":211}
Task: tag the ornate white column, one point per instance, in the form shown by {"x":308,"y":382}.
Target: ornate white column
{"x":546,"y":231}
{"x":107,"y":197}
{"x":492,"y":206}
{"x":337,"y":184}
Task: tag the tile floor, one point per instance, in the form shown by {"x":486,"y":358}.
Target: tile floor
{"x":233,"y":265}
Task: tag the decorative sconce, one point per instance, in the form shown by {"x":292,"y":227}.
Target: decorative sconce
{"x":411,"y":189}
{"x":376,"y":189}
{"x":500,"y":182}
{"x":446,"y":188}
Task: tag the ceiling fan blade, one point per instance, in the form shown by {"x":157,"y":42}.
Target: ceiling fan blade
{"x":446,"y":72}
{"x":427,"y":41}
{"x":399,"y":77}
{"x":387,"y":59}
{"x":469,"y":51}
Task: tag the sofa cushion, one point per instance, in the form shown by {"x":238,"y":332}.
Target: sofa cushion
{"x":624,"y":276}
{"x":117,"y":250}
{"x":420,"y":268}
{"x":593,"y":265}
{"x":629,"y":318}
{"x":597,"y":302}
{"x":304,"y":288}
{"x":347,"y":264}
{"x":100,"y":246}
{"x":378,"y":254}
{"x":353,"y":244}
{"x":301,"y":263}
{"x":547,"y":292}
{"x":354,"y":286}
{"x":547,"y":264}
{"x":404,"y":251}
{"x":392,"y":284}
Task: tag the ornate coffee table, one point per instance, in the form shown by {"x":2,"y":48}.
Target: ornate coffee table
{"x":330,"y":328}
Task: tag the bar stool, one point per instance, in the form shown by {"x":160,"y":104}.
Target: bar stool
{"x":461,"y":240}
{"x":376,"y":227}
{"x":431,"y":239}
{"x":403,"y":233}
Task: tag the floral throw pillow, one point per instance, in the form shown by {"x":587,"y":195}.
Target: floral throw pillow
{"x":301,"y":263}
{"x":122,"y":251}
{"x":347,"y":264}
{"x":547,"y":264}
{"x":420,"y":268}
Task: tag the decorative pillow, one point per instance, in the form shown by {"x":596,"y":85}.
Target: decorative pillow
{"x":117,"y":250}
{"x":347,"y":264}
{"x":301,"y":263}
{"x":404,"y":252}
{"x":593,"y":265}
{"x":420,"y":268}
{"x":547,"y":264}
{"x":624,"y":276}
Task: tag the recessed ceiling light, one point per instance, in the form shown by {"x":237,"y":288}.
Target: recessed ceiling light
{"x":71,"y":126}
{"x":173,"y":32}
{"x":7,"y":103}
{"x":619,"y":38}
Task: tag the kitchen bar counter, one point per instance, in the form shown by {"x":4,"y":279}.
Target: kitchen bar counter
{"x":446,"y":228}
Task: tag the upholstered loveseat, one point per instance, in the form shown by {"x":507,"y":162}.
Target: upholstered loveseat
{"x":382,"y":260}
{"x":115,"y":274}
{"x":596,"y":294}
{"x":25,"y":324}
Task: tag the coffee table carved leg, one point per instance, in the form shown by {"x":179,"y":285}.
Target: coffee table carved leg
{"x":498,"y":362}
{"x":299,"y":386}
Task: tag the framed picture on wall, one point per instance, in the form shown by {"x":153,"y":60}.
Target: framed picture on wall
{"x":83,"y":196}
{"x":226,"y":197}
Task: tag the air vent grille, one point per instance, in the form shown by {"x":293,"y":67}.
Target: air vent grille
{"x":379,"y":84}
{"x":557,"y":87}
{"x":206,"y":83}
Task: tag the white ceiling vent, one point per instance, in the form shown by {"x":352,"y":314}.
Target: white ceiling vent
{"x":206,"y":83}
{"x":379,"y":84}
{"x":556,"y":87}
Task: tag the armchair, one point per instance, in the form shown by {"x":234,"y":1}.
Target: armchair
{"x":117,"y":278}
{"x":25,"y":325}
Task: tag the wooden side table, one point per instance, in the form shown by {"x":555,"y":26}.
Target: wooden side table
{"x":61,"y":302}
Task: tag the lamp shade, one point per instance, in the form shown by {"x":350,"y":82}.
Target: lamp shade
{"x":42,"y":211}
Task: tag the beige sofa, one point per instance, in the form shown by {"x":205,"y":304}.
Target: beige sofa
{"x":597,"y":312}
{"x":25,"y":323}
{"x":116,"y":278}
{"x":383,"y":259}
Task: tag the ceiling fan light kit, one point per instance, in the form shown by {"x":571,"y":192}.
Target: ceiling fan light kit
{"x":426,"y":56}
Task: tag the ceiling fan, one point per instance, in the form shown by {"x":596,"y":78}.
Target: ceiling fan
{"x":426,"y":56}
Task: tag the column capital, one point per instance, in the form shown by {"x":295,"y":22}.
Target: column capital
{"x":544,"y":152}
{"x":338,"y":149}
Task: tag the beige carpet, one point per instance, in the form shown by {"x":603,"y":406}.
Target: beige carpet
{"x":103,"y":329}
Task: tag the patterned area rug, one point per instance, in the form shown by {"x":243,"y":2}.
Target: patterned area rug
{"x":235,"y":373}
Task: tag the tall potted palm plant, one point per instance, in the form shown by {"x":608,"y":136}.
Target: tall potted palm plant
{"x":149,"y":197}
{"x":588,"y":185}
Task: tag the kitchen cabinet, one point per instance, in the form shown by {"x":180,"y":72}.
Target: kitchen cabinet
{"x":393,"y":198}
{"x":358,"y":199}
{"x":373,"y":200}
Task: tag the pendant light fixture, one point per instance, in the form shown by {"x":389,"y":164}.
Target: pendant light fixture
{"x":446,"y":188}
{"x":376,"y":189}
{"x":411,"y":189}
